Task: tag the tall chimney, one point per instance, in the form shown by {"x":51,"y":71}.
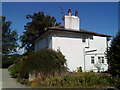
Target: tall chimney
{"x":69,"y":12}
{"x":72,"y":22}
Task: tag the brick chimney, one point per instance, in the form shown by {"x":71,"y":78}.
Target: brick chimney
{"x":72,"y":22}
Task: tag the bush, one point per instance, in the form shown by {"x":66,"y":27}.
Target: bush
{"x":87,"y":79}
{"x":46,"y":60}
{"x":14,"y":70}
{"x":22,"y":80}
{"x":79,"y":69}
{"x":8,"y":60}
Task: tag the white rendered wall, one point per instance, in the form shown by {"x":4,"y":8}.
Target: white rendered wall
{"x":72,"y":22}
{"x":73,"y":48}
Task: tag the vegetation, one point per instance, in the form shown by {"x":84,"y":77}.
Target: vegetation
{"x":8,"y":60}
{"x":16,"y":70}
{"x":50,"y":64}
{"x":79,"y":69}
{"x":77,"y":80}
{"x":39,"y":22}
{"x":45,"y":61}
{"x":113,"y":56}
{"x":9,"y":38}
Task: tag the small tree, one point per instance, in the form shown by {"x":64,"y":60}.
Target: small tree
{"x":113,"y":55}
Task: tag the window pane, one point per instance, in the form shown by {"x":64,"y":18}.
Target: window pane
{"x":92,"y":60}
{"x":99,"y":59}
{"x":83,"y":40}
{"x":102,"y":59}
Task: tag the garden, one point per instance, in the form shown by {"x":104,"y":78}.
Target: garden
{"x":50,"y":71}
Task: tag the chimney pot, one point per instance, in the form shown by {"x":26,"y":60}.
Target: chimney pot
{"x":69,"y":12}
{"x":76,"y":13}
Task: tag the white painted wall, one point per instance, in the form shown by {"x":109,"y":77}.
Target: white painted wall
{"x":72,"y":47}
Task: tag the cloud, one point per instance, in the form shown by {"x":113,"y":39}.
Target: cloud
{"x":20,"y":51}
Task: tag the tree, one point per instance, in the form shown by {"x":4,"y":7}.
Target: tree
{"x":9,"y":37}
{"x":39,"y":22}
{"x":113,"y":55}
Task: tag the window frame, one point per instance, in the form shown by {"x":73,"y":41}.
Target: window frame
{"x":101,"y":59}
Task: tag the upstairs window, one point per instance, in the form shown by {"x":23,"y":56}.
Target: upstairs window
{"x":91,"y":38}
{"x":84,"y":39}
{"x":92,"y":60}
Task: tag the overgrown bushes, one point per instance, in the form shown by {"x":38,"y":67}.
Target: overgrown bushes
{"x":45,"y":61}
{"x":16,"y":70}
{"x":79,"y":80}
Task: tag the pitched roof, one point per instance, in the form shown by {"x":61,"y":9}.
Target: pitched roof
{"x":61,"y":28}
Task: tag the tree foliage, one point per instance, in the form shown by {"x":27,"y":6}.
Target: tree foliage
{"x":113,"y":55}
{"x":39,"y":22}
{"x":9,"y":37}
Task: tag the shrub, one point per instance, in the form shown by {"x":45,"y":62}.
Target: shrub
{"x":8,"y":60}
{"x":89,"y":78}
{"x":14,"y":70}
{"x":105,"y":79}
{"x":22,"y":80}
{"x":46,"y":60}
{"x":86,"y":79}
{"x":79,"y":69}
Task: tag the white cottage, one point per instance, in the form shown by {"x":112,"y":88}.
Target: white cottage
{"x":80,"y":47}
